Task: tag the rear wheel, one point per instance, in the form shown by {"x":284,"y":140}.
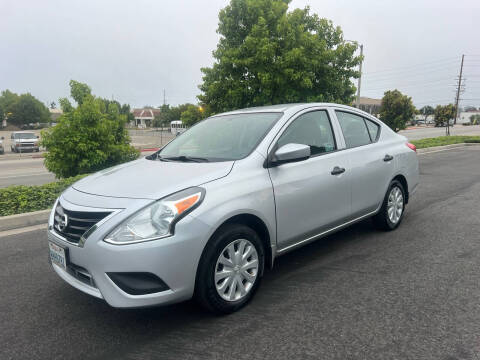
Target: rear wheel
{"x":391,"y":213}
{"x":230,"y":269}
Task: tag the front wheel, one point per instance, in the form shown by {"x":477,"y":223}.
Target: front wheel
{"x":230,"y":269}
{"x":391,"y":213}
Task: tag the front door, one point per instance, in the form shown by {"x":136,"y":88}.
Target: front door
{"x":311,"y":196}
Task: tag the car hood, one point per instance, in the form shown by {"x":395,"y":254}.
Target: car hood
{"x":151,"y":179}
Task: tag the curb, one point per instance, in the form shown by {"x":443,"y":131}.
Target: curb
{"x":23,"y":220}
{"x":444,"y":147}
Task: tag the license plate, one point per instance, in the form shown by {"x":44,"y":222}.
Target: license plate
{"x":57,"y":255}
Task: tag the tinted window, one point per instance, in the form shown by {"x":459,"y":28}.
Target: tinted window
{"x":228,"y":137}
{"x":372,"y":129}
{"x":311,"y":129}
{"x":354,"y":129}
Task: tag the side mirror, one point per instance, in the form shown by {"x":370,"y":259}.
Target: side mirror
{"x":2,"y":138}
{"x":291,"y":153}
{"x":38,"y":137}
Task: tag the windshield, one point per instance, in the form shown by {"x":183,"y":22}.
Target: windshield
{"x":25,"y":136}
{"x":228,"y":137}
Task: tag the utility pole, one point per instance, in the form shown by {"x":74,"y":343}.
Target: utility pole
{"x":359,"y":78}
{"x":164,"y":97}
{"x":457,"y":99}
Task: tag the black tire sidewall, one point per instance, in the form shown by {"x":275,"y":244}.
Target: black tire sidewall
{"x":206,"y":291}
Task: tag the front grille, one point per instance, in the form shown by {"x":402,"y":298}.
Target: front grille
{"x":73,"y":224}
{"x":26,"y":144}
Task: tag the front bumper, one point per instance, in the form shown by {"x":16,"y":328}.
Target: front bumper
{"x":27,"y":148}
{"x":174,"y":260}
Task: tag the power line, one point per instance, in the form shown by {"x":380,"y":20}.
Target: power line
{"x":412,"y":73}
{"x":415,"y":65}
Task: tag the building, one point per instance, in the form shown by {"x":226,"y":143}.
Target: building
{"x":464,"y":116}
{"x":144,"y":117}
{"x":372,"y":106}
{"x":55,"y":114}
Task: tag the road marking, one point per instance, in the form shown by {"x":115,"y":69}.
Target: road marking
{"x":23,"y":230}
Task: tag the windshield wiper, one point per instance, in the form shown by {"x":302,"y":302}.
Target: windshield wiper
{"x":184,"y":158}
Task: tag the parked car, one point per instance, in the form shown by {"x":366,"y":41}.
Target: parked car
{"x":2,"y":149}
{"x":23,"y":141}
{"x":208,"y":213}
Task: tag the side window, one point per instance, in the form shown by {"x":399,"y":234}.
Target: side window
{"x":313,"y":129}
{"x":372,"y":129}
{"x":354,"y":129}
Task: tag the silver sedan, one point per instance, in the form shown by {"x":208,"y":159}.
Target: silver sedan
{"x":207,"y":214}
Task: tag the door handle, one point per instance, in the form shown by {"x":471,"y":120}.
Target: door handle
{"x":388,"y":158}
{"x":337,"y":170}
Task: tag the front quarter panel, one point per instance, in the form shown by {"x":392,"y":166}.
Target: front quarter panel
{"x":246,"y":190}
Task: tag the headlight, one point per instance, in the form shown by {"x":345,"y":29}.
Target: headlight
{"x":158,"y":219}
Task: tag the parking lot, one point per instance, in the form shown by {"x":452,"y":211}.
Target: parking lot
{"x":358,"y":294}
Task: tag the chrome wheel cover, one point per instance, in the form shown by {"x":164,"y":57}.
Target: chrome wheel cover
{"x":236,"y":270}
{"x":395,"y":205}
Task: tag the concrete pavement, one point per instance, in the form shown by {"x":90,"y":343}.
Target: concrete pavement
{"x":358,"y":294}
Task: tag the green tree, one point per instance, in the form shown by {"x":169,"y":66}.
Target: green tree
{"x":396,"y":110}
{"x":267,"y":55}
{"x":7,"y":99}
{"x":426,"y":111}
{"x":87,"y":138}
{"x":444,"y":113}
{"x":191,"y":115}
{"x":27,"y":109}
{"x":79,"y":91}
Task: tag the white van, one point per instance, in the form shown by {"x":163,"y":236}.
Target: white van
{"x":177,"y":127}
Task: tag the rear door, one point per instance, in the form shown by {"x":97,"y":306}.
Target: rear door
{"x":371,"y":163}
{"x":309,"y":198}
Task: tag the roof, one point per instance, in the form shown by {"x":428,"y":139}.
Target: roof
{"x":291,"y":108}
{"x":145,"y":113}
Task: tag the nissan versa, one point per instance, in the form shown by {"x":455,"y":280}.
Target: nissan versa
{"x":204,"y":216}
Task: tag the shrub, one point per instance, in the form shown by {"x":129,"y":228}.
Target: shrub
{"x":87,"y":138}
{"x":20,"y":199}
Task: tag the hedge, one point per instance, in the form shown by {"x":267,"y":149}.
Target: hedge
{"x":21,"y":199}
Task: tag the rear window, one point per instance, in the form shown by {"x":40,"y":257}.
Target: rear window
{"x":354,"y":129}
{"x":372,"y":129}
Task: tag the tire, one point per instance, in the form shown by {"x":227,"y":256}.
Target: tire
{"x":382,"y":219}
{"x":241,"y":237}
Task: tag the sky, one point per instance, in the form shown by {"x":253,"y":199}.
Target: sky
{"x":135,"y":50}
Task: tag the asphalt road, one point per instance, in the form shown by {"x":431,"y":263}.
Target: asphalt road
{"x":23,"y":171}
{"x":359,"y":294}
